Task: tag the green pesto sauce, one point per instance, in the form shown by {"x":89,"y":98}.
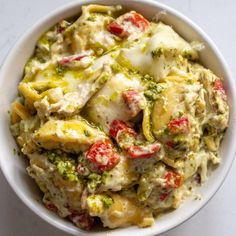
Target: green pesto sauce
{"x":86,"y":133}
{"x":66,"y":166}
{"x":107,"y":201}
{"x":60,"y":70}
{"x":157,"y":52}
{"x":45,"y":40}
{"x":147,"y":78}
{"x":92,"y":17}
{"x":187,"y":55}
{"x":153,"y":89}
{"x":164,"y":51}
{"x":93,"y":181}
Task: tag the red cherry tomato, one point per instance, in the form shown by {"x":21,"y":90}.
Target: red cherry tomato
{"x":115,"y":28}
{"x":179,"y":125}
{"x":72,"y":58}
{"x":218,"y":86}
{"x":133,"y":99}
{"x":170,"y":144}
{"x":118,"y":126}
{"x":143,"y":151}
{"x":138,"y":20}
{"x":103,"y":156}
{"x":173,"y":179}
{"x":164,"y":196}
{"x":120,"y":26}
{"x":82,"y":219}
{"x":50,"y":206}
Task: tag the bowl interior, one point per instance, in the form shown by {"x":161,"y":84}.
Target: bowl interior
{"x":13,"y":166}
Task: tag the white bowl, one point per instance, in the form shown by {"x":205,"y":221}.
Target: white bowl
{"x":13,"y":166}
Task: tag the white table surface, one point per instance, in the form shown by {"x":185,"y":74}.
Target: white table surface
{"x":218,"y":19}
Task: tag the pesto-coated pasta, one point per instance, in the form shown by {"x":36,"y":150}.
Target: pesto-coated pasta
{"x":118,"y":118}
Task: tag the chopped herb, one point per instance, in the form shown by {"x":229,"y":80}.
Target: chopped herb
{"x":187,"y":55}
{"x":107,"y":201}
{"x":94,"y":176}
{"x":153,"y":90}
{"x":138,"y":142}
{"x":104,"y":177}
{"x":197,"y":197}
{"x":114,"y":96}
{"x":67,"y":170}
{"x":157,"y":52}
{"x":147,"y":78}
{"x":93,"y":181}
{"x":86,"y":133}
{"x":60,"y":69}
{"x":99,"y":51}
{"x":173,"y":52}
{"x":164,"y":51}
{"x":190,"y":81}
{"x":92,"y":18}
{"x":115,"y":67}
{"x":66,"y":166}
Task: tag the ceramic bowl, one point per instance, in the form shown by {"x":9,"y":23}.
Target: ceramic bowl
{"x":13,"y":166}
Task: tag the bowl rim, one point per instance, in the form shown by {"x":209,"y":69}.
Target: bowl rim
{"x":66,"y":7}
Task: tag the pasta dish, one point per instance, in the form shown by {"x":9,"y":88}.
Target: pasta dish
{"x":118,"y":118}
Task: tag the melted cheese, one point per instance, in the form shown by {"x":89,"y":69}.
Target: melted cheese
{"x":124,"y":212}
{"x":108,"y":105}
{"x":140,"y":56}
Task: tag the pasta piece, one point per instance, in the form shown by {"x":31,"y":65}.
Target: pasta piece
{"x":61,"y":193}
{"x":120,"y":177}
{"x":29,"y":94}
{"x":168,"y":104}
{"x":158,"y":188}
{"x":73,"y":89}
{"x":72,"y":102}
{"x":216,"y":99}
{"x":146,"y":124}
{"x":14,"y":117}
{"x":122,"y":212}
{"x":108,"y":104}
{"x":99,"y":9}
{"x":71,"y":135}
{"x":79,"y":37}
{"x":158,"y":54}
{"x":130,"y":25}
{"x":173,"y":116}
{"x":23,"y":132}
{"x":19,"y":112}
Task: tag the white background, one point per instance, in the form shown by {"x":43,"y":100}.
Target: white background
{"x":218,"y":19}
